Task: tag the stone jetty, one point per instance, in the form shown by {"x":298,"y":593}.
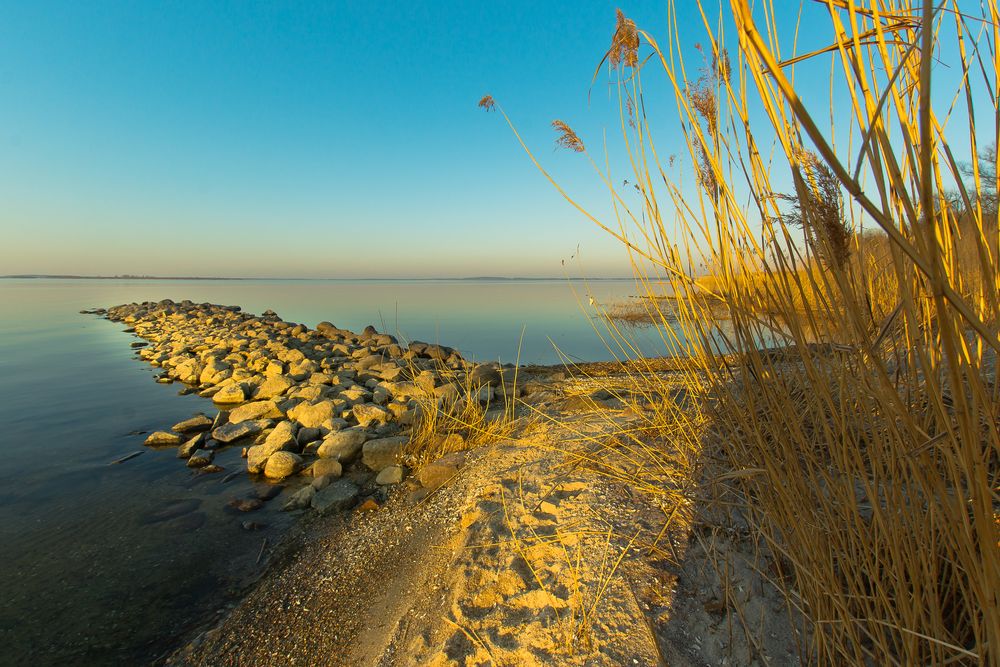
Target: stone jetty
{"x":300,"y":401}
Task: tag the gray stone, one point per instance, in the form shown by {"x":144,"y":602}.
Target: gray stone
{"x":390,"y":475}
{"x":200,"y":458}
{"x":301,"y":499}
{"x":343,"y":445}
{"x":327,"y":468}
{"x":188,"y":448}
{"x":234,"y":431}
{"x":307,"y":435}
{"x":282,"y":464}
{"x":338,"y":496}
{"x":484,"y":374}
{"x":384,"y":452}
{"x":484,"y":394}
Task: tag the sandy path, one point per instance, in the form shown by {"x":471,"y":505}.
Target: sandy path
{"x":529,"y":556}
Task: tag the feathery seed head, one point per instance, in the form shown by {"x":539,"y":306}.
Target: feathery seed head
{"x":624,"y":43}
{"x":567,"y":137}
{"x":487,"y":103}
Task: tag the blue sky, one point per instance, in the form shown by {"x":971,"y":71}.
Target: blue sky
{"x":305,"y":139}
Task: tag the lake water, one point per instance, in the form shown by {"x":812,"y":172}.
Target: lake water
{"x":93,"y":570}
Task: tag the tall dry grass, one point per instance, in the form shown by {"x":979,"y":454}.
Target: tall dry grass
{"x":867,"y":452}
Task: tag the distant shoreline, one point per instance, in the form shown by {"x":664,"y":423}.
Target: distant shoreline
{"x":468,"y":279}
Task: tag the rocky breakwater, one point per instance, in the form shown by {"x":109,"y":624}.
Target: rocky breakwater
{"x":326,"y":404}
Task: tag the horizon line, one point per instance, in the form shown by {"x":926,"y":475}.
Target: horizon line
{"x":56,"y":276}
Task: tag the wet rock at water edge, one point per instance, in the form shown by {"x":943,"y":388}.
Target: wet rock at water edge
{"x":163,"y":439}
{"x":200,"y":458}
{"x":301,"y":499}
{"x":197,"y":423}
{"x":231,"y":432}
{"x":282,"y":464}
{"x":282,"y":438}
{"x":246,"y":504}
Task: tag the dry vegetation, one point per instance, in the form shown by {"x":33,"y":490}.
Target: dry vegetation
{"x":866,"y":454}
{"x":459,"y":421}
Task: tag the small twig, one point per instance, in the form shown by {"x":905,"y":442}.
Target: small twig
{"x":261,"y":554}
{"x":126,"y":458}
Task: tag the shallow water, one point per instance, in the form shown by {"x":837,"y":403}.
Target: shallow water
{"x":90,"y":573}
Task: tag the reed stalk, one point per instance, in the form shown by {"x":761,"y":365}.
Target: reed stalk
{"x":849,"y":383}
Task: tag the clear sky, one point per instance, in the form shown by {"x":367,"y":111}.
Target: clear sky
{"x":301,"y":139}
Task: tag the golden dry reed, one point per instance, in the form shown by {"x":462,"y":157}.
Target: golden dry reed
{"x":850,"y":379}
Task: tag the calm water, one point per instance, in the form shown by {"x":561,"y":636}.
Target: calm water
{"x":90,"y":573}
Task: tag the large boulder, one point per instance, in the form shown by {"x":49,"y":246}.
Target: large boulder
{"x":282,"y":464}
{"x":343,"y":445}
{"x":337,"y":496}
{"x":312,"y":415}
{"x":384,"y":452}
